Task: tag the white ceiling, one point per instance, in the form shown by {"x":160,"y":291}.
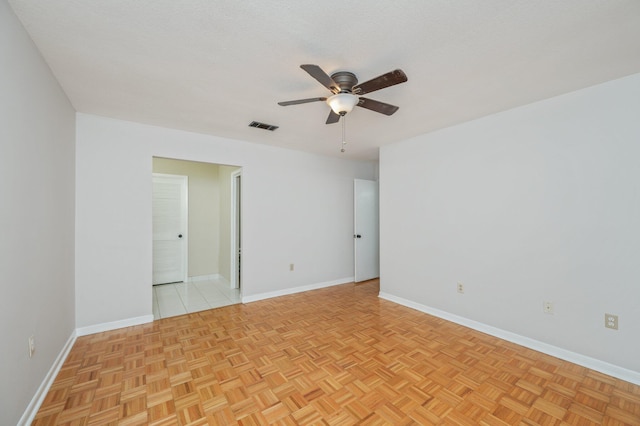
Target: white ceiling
{"x":214,"y":66}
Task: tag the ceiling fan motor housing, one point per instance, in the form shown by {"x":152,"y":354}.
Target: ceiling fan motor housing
{"x":345,"y":80}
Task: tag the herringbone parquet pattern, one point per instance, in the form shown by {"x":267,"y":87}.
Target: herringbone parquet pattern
{"x":336,"y":356}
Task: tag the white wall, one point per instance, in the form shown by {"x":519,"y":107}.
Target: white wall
{"x":536,"y":203}
{"x":297,"y":208}
{"x":37,"y":214}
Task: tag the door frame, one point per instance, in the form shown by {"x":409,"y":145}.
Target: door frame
{"x":184,"y":207}
{"x":236,"y":226}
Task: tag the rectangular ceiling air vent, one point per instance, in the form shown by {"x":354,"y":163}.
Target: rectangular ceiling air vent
{"x":263,"y":125}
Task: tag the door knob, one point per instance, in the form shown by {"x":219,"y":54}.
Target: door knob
{"x":179,"y":235}
{"x":357,"y":236}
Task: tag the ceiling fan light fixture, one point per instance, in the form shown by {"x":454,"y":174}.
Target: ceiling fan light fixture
{"x":342,"y":103}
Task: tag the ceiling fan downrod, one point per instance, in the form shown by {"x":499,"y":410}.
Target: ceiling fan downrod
{"x":344,"y":140}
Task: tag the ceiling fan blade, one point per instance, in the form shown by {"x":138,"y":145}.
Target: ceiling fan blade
{"x":301,"y":101}
{"x":322,"y":77}
{"x":385,"y":80}
{"x":377,"y":106}
{"x":333,"y":117}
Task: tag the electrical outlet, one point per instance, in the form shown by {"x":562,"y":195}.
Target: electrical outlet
{"x":460,"y":288}
{"x":32,"y":345}
{"x":547,"y":308}
{"x":611,"y":321}
{"x":291,"y":266}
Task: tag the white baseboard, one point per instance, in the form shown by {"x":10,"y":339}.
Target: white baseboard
{"x":107,"y":326}
{"x":33,"y":407}
{"x":203,"y":278}
{"x":293,"y":290}
{"x":217,"y":277}
{"x":576,"y":358}
{"x":36,"y":401}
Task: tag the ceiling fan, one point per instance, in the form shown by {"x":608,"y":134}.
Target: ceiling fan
{"x":346,"y":92}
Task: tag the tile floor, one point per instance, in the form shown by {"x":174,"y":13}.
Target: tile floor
{"x":170,"y":300}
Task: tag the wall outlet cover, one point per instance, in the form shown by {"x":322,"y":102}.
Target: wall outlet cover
{"x":32,"y":346}
{"x":611,"y":321}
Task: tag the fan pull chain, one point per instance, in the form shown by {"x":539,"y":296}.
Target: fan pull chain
{"x":344,"y":141}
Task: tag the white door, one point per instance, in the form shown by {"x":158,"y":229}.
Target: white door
{"x":365,"y":235}
{"x":169,"y":228}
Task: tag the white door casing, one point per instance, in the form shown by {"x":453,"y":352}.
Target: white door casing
{"x":236,"y":230}
{"x":170,"y":198}
{"x":366,"y":230}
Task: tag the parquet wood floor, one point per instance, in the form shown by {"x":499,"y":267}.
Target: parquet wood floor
{"x":335,"y":356}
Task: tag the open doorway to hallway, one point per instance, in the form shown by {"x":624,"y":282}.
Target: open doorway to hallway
{"x":210,"y":235}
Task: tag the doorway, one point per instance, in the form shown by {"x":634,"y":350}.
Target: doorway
{"x":366,"y":230}
{"x":212,"y":239}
